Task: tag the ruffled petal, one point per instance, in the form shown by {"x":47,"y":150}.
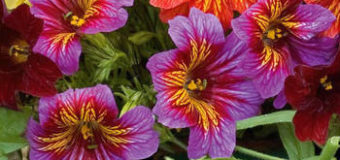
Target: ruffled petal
{"x":101,"y":94}
{"x":167,"y":14}
{"x":167,"y":4}
{"x":311,"y":124}
{"x":22,"y":21}
{"x":39,"y":77}
{"x":106,"y":17}
{"x":308,"y":20}
{"x":242,"y":5}
{"x":165,"y":76}
{"x":314,"y":52}
{"x":280,"y":101}
{"x":63,"y":48}
{"x":218,"y":142}
{"x":199,"y":26}
{"x":142,"y":139}
{"x":269,"y":70}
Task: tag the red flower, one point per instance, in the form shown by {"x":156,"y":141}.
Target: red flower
{"x":20,"y":68}
{"x":315,"y":94}
{"x":222,"y":9}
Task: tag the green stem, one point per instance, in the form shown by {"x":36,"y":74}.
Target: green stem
{"x":178,"y":143}
{"x":330,"y":149}
{"x":256,"y":154}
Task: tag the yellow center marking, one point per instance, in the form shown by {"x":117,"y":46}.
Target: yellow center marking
{"x":76,"y":21}
{"x":274,"y":34}
{"x":86,"y":131}
{"x":197,"y":85}
{"x":19,"y":52}
{"x":327,"y":85}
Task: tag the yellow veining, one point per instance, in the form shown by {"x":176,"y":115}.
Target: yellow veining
{"x":186,"y":88}
{"x":84,"y":125}
{"x":64,"y":38}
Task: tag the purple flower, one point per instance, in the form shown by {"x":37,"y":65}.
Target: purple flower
{"x":200,"y":86}
{"x":280,"y":35}
{"x":82,"y":124}
{"x":65,"y":21}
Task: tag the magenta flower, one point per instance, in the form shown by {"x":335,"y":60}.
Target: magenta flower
{"x":82,"y":124}
{"x":65,"y":21}
{"x":200,"y":86}
{"x":280,"y":36}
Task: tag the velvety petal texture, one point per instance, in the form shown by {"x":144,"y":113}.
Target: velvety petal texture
{"x":82,"y":124}
{"x":223,"y":9}
{"x":66,"y":21}
{"x":22,"y":70}
{"x":200,"y":85}
{"x":282,"y":34}
{"x":315,"y":94}
{"x":332,"y":5}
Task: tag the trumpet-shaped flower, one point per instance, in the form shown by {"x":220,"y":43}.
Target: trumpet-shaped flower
{"x":223,"y":9}
{"x":334,"y":6}
{"x":82,"y":124}
{"x":200,"y":86}
{"x":315,"y":94}
{"x":20,"y":68}
{"x":280,"y":35}
{"x":65,"y":21}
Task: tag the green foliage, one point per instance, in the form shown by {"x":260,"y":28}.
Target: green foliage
{"x":12,"y":128}
{"x":296,"y":150}
{"x":266,"y":119}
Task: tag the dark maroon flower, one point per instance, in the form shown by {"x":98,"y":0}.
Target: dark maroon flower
{"x":20,"y":68}
{"x":315,"y":94}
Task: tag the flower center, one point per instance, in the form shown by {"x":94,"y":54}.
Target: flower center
{"x":274,"y":34}
{"x":76,"y":21}
{"x":196,"y":85}
{"x":327,"y":85}
{"x":19,"y":52}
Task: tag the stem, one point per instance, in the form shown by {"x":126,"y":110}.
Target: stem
{"x":178,"y":143}
{"x":256,"y":154}
{"x":330,"y":149}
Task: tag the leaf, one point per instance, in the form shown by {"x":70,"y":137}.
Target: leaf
{"x":12,"y":127}
{"x":141,"y":37}
{"x":330,"y":148}
{"x":295,"y":149}
{"x":266,"y":119}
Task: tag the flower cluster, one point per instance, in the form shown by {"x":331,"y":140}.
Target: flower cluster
{"x":230,"y":56}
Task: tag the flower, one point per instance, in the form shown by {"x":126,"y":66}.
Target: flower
{"x":82,"y":124}
{"x":281,"y":35}
{"x":315,"y":94}
{"x":200,"y":86}
{"x":12,"y":4}
{"x":66,"y":21}
{"x":334,"y":6}
{"x":21,"y":69}
{"x":222,"y":9}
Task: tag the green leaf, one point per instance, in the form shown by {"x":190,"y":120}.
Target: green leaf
{"x":330,"y":148}
{"x":12,"y":128}
{"x":266,"y":119}
{"x":295,"y":149}
{"x":141,"y":37}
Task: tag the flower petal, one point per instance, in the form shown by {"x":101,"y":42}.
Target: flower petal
{"x":22,"y":21}
{"x":167,"y":14}
{"x":40,"y":76}
{"x":142,"y":139}
{"x":2,"y":9}
{"x":242,"y":5}
{"x":107,"y":17}
{"x":308,"y":20}
{"x":280,"y":101}
{"x":312,"y":125}
{"x":163,"y":71}
{"x":314,"y":52}
{"x":269,"y":70}
{"x":167,"y":4}
{"x":75,"y":98}
{"x":218,"y":142}
{"x":197,"y":27}
{"x":62,"y":48}
{"x":7,"y":92}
